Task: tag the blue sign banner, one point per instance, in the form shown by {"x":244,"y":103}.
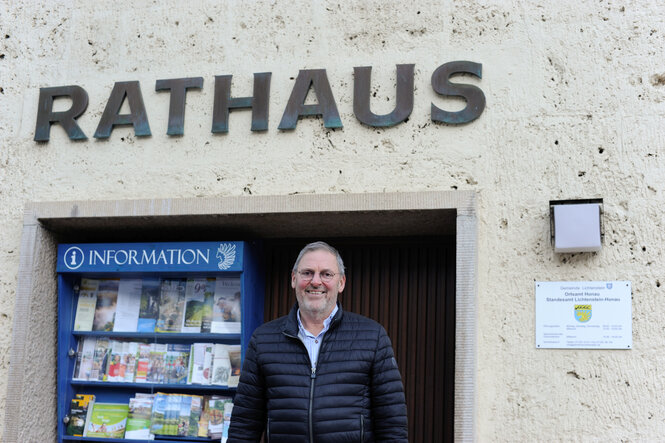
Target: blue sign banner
{"x":151,"y":257}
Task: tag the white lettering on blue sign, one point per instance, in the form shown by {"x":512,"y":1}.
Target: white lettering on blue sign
{"x":120,"y":257}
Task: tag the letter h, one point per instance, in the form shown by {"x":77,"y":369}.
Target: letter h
{"x":224,"y":102}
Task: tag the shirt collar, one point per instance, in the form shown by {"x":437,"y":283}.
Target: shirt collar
{"x":326,"y":323}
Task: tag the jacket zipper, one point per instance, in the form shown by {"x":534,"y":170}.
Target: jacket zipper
{"x":311,"y":400}
{"x":310,"y":425}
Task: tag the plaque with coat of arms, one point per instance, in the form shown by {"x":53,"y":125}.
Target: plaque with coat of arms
{"x":584,"y":315}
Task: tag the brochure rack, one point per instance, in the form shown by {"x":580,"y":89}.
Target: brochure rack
{"x":139,"y":262}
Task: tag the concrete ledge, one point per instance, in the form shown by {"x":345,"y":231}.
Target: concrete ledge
{"x":462,"y":201}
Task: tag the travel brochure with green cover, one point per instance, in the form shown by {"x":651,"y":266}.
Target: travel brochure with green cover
{"x":108,"y":420}
{"x":138,"y":420}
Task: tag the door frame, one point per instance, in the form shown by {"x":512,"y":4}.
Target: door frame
{"x":45,"y":224}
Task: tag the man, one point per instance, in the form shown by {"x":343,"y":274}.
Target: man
{"x":319,"y":374}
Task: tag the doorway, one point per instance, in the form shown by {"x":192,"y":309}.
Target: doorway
{"x":408,"y":286}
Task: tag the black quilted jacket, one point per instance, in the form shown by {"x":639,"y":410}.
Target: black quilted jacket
{"x":356,"y":394}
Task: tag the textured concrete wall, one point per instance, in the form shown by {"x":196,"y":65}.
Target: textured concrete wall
{"x":575,"y":94}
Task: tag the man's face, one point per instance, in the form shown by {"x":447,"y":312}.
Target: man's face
{"x":317,"y":297}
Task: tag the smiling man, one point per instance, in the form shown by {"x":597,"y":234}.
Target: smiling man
{"x":319,"y":374}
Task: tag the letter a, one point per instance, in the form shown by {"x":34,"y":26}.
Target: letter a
{"x":296,"y":107}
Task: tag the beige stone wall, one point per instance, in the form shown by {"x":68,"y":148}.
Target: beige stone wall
{"x":574,"y":108}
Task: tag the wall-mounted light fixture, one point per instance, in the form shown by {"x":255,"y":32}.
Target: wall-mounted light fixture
{"x":576,"y":225}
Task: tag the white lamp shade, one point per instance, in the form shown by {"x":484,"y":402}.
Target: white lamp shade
{"x":577,"y":228}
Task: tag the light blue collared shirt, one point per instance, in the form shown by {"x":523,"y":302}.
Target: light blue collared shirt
{"x":313,"y":344}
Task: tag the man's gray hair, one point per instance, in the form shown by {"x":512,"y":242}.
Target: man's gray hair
{"x":318,"y":246}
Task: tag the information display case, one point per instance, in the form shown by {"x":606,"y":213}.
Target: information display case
{"x":167,"y":322}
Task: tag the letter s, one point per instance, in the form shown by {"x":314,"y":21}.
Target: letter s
{"x":475,"y":99}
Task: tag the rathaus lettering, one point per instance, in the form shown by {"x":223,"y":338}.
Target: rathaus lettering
{"x":307,"y":79}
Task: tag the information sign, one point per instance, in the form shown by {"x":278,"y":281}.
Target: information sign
{"x":584,"y":315}
{"x":150,"y":257}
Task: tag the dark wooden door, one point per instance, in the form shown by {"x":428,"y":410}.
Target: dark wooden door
{"x":407,"y":285}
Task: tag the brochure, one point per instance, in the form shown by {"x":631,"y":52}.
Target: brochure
{"x":87,"y":354}
{"x":226,"y":310}
{"x":142,"y":363}
{"x":108,"y":420}
{"x":207,"y":363}
{"x":99,"y":360}
{"x":107,"y":297}
{"x":172,"y":414}
{"x":85,"y":307}
{"x":194,"y":304}
{"x":234,"y":357}
{"x":156,"y":368}
{"x":177,"y":358}
{"x":129,"y":359}
{"x":138,"y":419}
{"x":158,"y":416}
{"x":127,"y":306}
{"x":206,"y":318}
{"x":184,"y":415}
{"x":113,"y":373}
{"x":228,"y":409}
{"x":216,"y":406}
{"x":78,"y":414}
{"x":197,"y":364}
{"x":171,"y":305}
{"x":149,"y":308}
{"x":221,"y":365}
{"x":195,"y":415}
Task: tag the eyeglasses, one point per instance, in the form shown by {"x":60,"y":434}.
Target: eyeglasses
{"x":308,"y":275}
